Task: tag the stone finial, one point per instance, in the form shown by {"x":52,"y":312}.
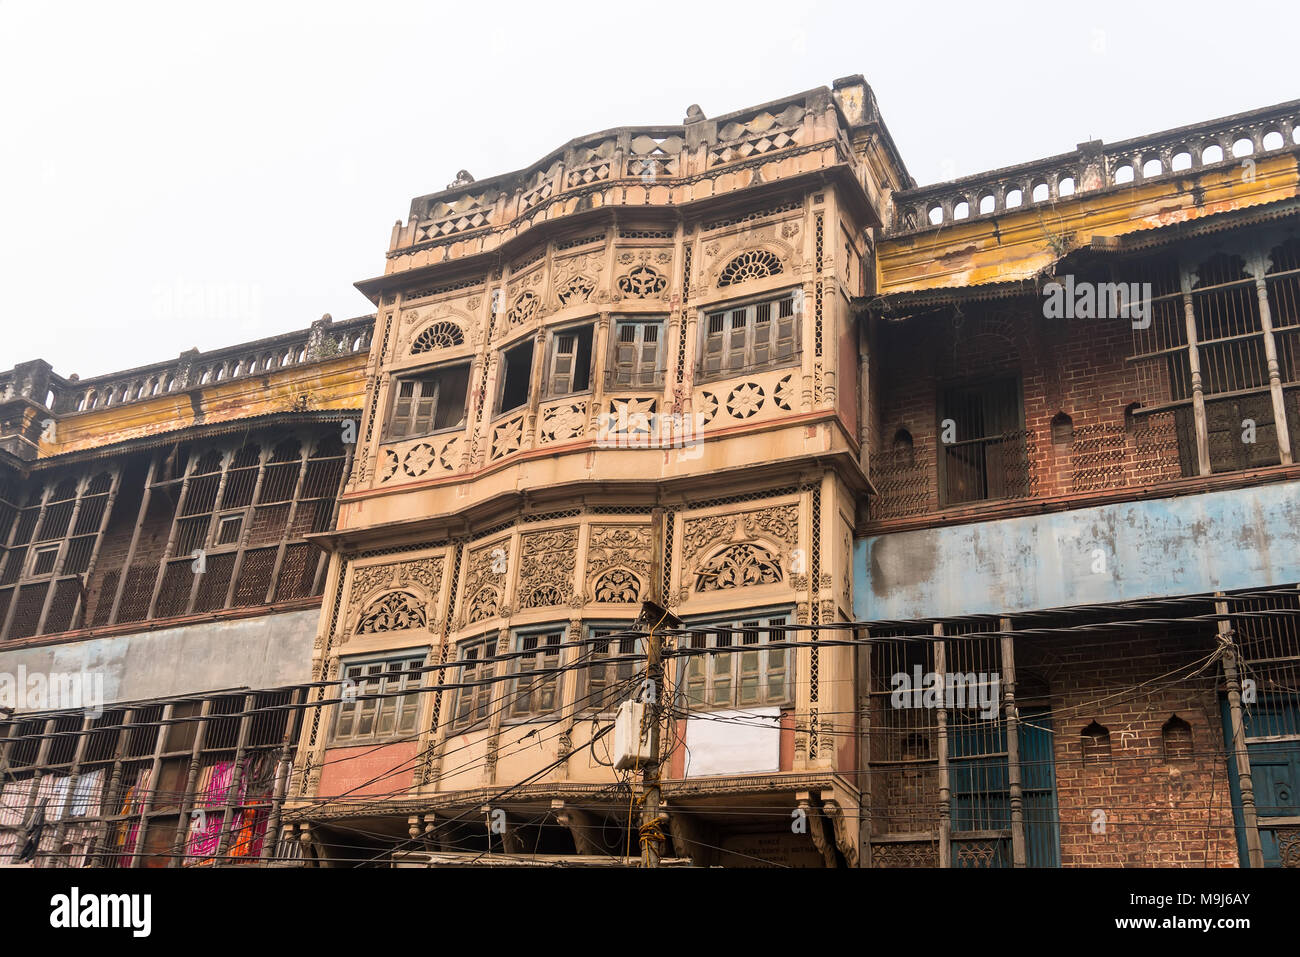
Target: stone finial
{"x":694,"y":114}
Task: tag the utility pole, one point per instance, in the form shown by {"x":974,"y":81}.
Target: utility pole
{"x":654,"y":617}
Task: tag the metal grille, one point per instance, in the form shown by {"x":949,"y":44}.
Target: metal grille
{"x":1269,"y":642}
{"x":988,"y":457}
{"x":902,"y":746}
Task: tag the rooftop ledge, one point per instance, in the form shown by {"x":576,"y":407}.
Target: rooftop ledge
{"x":654,"y":163}
{"x":1095,"y":167}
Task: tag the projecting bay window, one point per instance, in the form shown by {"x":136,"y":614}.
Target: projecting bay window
{"x":734,"y":667}
{"x":569,"y":361}
{"x":637,"y":354}
{"x":475,"y":674}
{"x":429,"y":402}
{"x":535,"y":690}
{"x":750,"y":337}
{"x":363,"y":719}
{"x":617,"y":659}
{"x":982,"y":442}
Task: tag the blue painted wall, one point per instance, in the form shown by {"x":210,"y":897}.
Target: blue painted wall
{"x":1239,"y":538}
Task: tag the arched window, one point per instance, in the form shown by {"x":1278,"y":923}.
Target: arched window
{"x":752,"y":264}
{"x":904,"y":450}
{"x":1095,"y":743}
{"x":440,"y":335}
{"x":1176,"y":736}
{"x":1062,"y":429}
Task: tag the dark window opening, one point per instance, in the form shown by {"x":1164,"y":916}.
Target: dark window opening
{"x":517,"y":376}
{"x":982,"y":451}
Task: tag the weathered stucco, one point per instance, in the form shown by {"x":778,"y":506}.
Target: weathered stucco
{"x":1193,"y":544}
{"x":263,"y":652}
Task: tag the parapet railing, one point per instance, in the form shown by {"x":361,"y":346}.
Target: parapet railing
{"x":1094,"y":166}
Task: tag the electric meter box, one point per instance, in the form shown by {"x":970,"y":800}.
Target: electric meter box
{"x":631,"y":736}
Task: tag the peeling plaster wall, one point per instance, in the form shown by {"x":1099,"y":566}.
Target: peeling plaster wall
{"x":1192,"y":544}
{"x":255,"y":653}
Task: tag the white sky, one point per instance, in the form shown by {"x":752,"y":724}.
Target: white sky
{"x":176,"y":175}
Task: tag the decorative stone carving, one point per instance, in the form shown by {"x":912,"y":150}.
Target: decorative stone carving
{"x":508,"y":437}
{"x":779,"y":522}
{"x":485,"y":577}
{"x":546,"y":567}
{"x":700,"y":533}
{"x":524,"y":309}
{"x":561,"y":422}
{"x":751,"y":264}
{"x":396,"y":611}
{"x":440,"y":335}
{"x":745,"y":400}
{"x":383,"y":614}
{"x":642,"y":282}
{"x":783,"y":394}
{"x":739,"y":566}
{"x":618,"y":562}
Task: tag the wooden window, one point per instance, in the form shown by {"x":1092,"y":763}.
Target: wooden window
{"x":429,"y":402}
{"x":50,"y":535}
{"x":615,"y":661}
{"x":982,"y":443}
{"x":43,"y":559}
{"x":570,"y":361}
{"x":536,"y":687}
{"x":637,"y":353}
{"x":745,"y":674}
{"x":476,"y":672}
{"x":376,"y":719}
{"x":746,"y":338}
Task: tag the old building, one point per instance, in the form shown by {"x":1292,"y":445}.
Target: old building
{"x":1084,"y":405}
{"x":1031,"y":429}
{"x":158,"y":598}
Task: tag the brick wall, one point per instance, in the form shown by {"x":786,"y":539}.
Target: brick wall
{"x":1160,"y":810}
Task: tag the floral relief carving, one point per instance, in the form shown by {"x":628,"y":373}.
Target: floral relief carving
{"x":745,"y":400}
{"x":779,"y":522}
{"x":508,"y":437}
{"x":561,"y":422}
{"x":524,"y":309}
{"x":546,"y":567}
{"x":738,"y":566}
{"x":485,"y":578}
{"x":618,"y":562}
{"x":783,"y":394}
{"x":642,"y":282}
{"x":426,"y":573}
{"x":700,"y":533}
{"x":395,"y":611}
